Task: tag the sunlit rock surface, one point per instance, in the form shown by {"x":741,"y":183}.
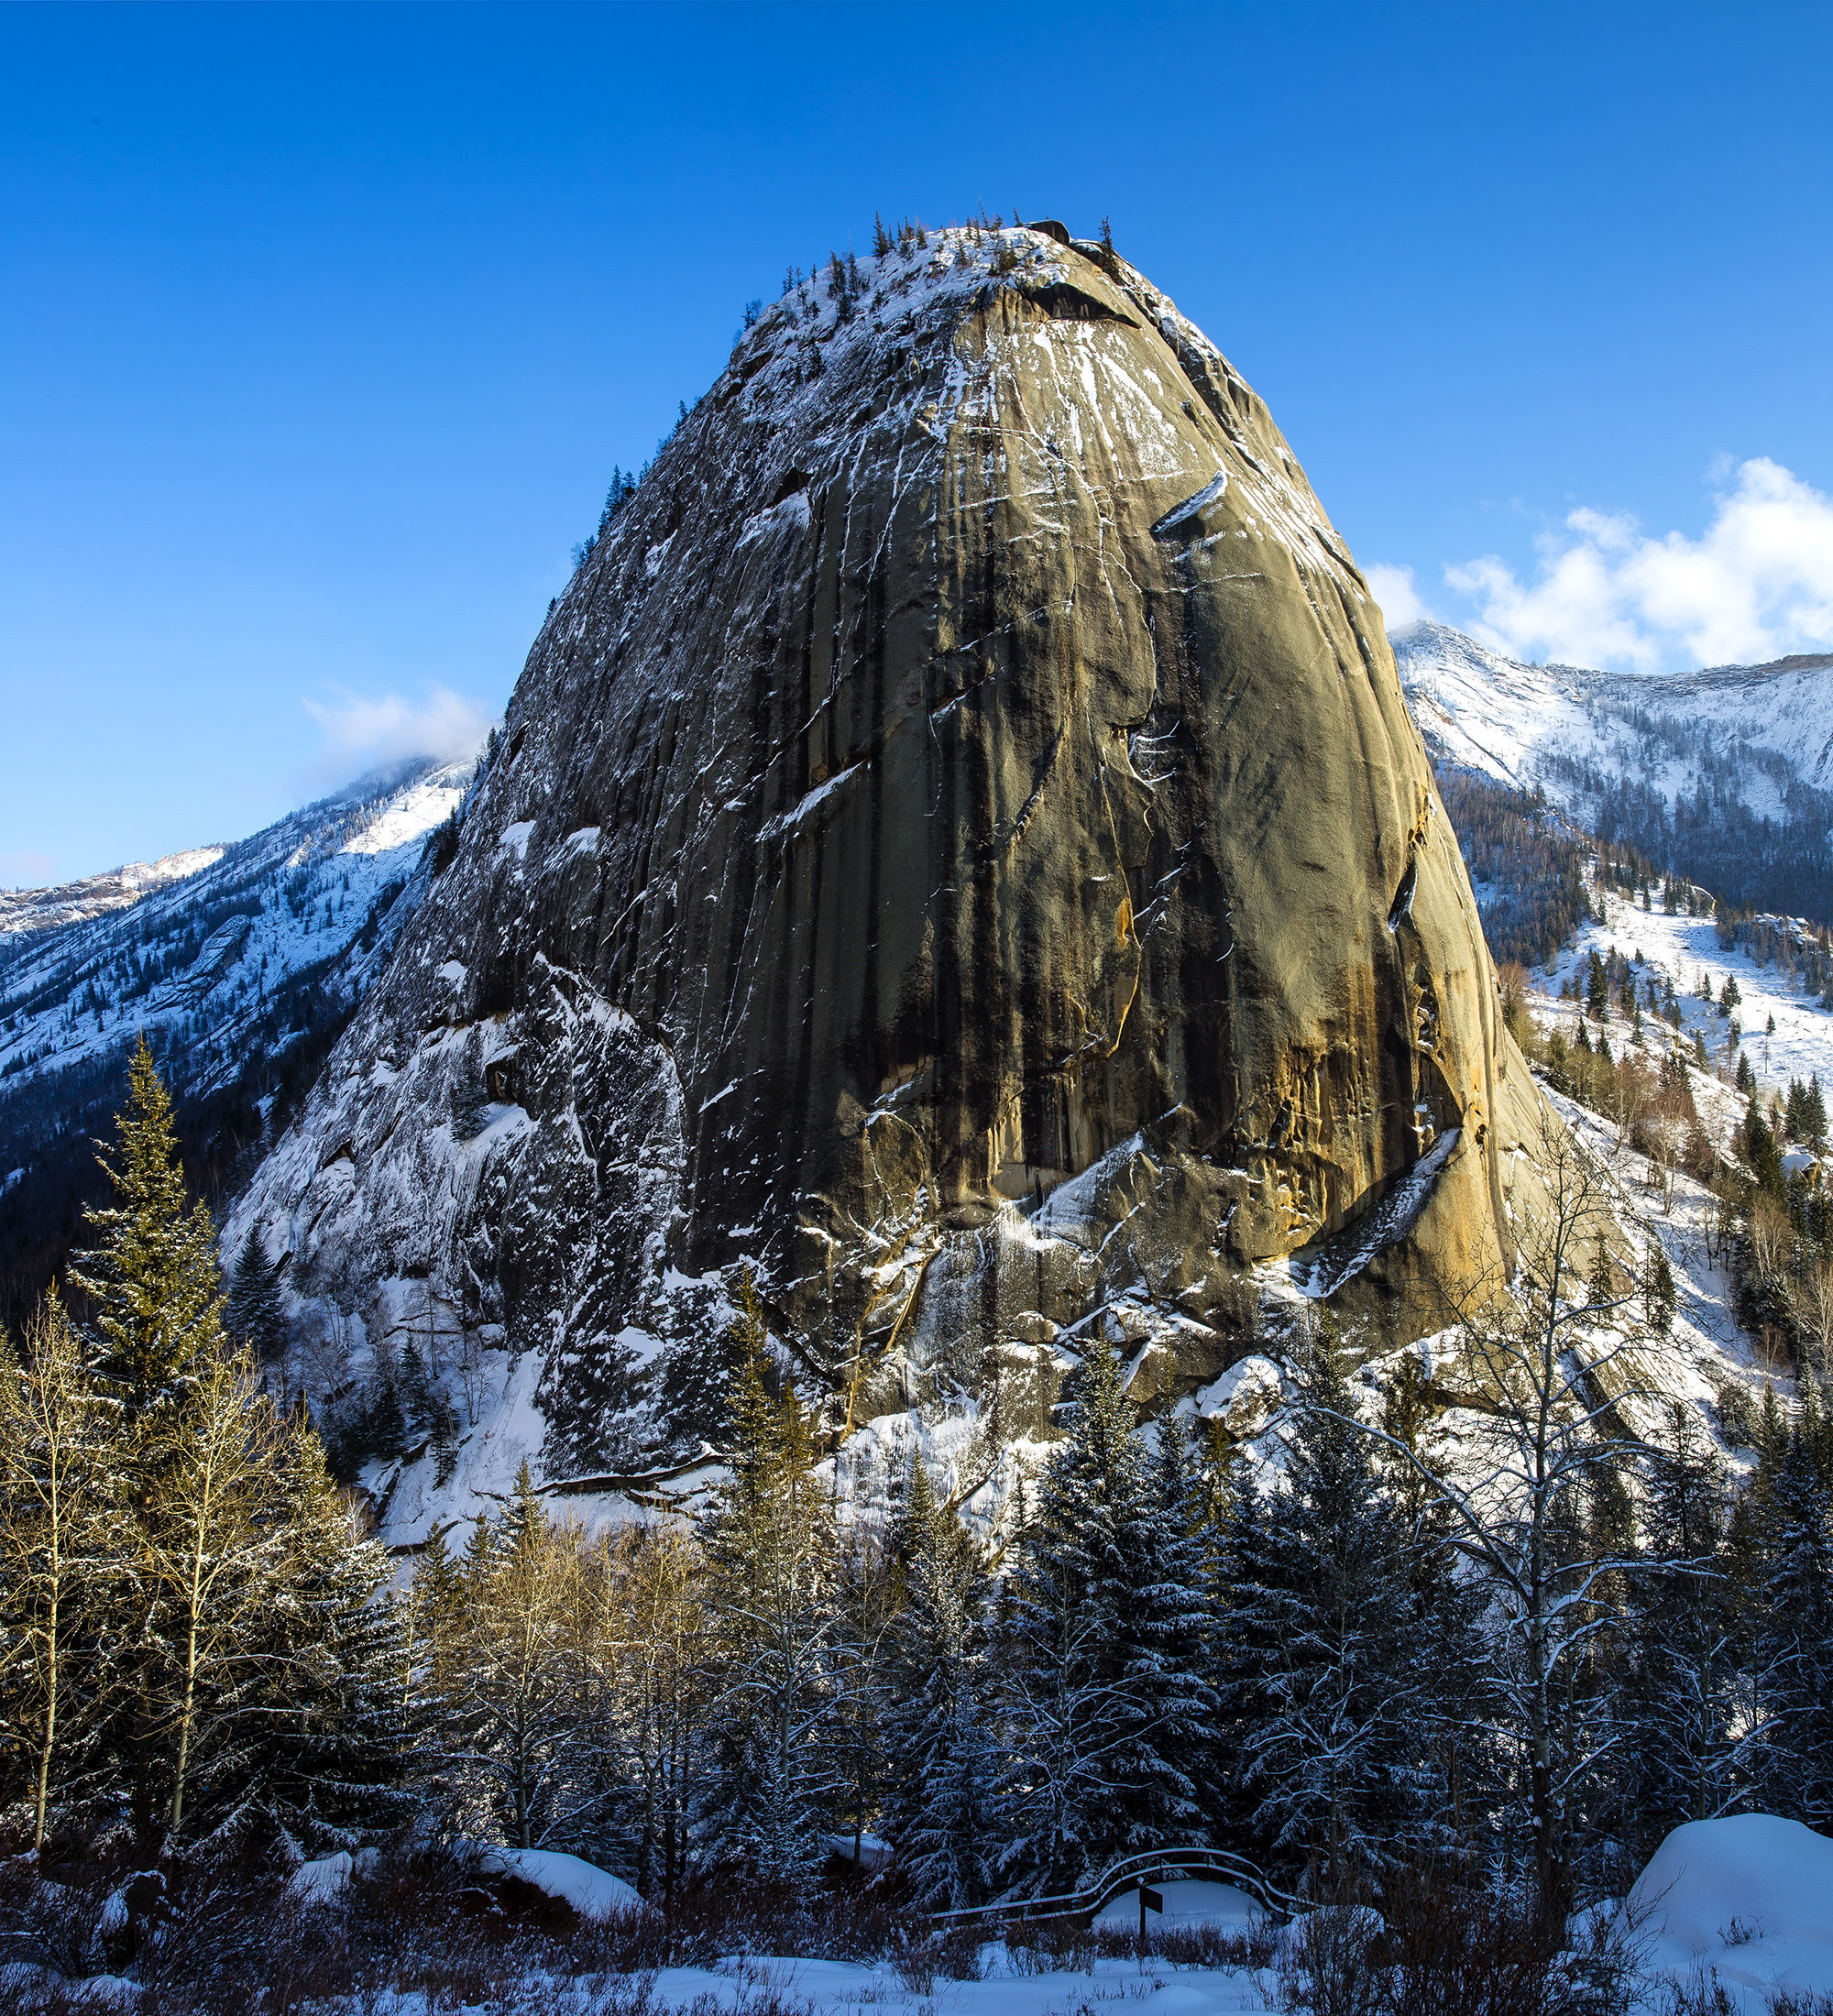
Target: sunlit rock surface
{"x":958,"y":844}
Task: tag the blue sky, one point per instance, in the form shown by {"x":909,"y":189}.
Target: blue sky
{"x":324,"y":326}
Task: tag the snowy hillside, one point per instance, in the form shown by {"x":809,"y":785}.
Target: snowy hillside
{"x":1725,"y":775}
{"x":237,"y":965}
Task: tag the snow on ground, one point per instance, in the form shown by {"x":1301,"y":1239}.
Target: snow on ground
{"x":1192,"y":1902}
{"x":826,"y":1985}
{"x":308,"y":893}
{"x":1685,"y":948}
{"x":1747,"y":1899}
{"x":1563,"y":728}
{"x":1707,"y":1345}
{"x":593,"y":1893}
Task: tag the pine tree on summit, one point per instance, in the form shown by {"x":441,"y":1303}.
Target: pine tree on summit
{"x":151,"y":1278}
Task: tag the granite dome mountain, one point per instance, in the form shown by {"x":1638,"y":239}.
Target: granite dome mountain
{"x":959,"y":845}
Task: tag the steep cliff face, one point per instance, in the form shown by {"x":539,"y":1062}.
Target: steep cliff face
{"x":958,"y":843}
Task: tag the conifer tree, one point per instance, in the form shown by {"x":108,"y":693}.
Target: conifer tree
{"x":252,"y":1313}
{"x":151,"y":1278}
{"x":867,"y":1594}
{"x":1791,"y":1751}
{"x":1328,"y":1765}
{"x":211,"y":1554}
{"x":1658,"y":1290}
{"x":942,"y":1739}
{"x":769,"y":1549}
{"x":1108,"y":1697}
{"x":330,"y":1697}
{"x":1681,"y":1696}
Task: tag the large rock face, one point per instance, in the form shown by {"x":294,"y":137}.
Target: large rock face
{"x":958,"y":843}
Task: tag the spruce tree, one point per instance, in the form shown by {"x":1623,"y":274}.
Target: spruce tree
{"x":1658,"y":1290}
{"x":1109,"y":1704}
{"x":1680,"y":1695}
{"x":942,"y":1738}
{"x":252,"y":1313}
{"x":1792,"y":1749}
{"x":151,"y":1278}
{"x":768,"y":1548}
{"x":330,"y":1701}
{"x":1328,"y":1763}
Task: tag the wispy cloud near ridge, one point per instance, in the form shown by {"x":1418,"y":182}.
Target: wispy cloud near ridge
{"x":361,"y":733}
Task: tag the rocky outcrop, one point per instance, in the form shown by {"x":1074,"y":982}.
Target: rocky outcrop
{"x":958,"y":843}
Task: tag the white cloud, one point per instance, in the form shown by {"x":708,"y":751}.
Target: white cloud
{"x":1757,"y":585}
{"x":361,"y":733}
{"x":1393,"y":590}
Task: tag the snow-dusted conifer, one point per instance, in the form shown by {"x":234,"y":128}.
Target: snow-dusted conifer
{"x":769,"y":1547}
{"x":1326,"y":1766}
{"x":943,"y":1768}
{"x":1105,"y":1688}
{"x":328,"y":1697}
{"x":1791,"y":1751}
{"x":1681,"y":1697}
{"x":151,"y":1278}
{"x":252,"y":1313}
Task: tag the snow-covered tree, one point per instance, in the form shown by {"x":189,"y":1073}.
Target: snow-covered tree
{"x":1516,"y":1505}
{"x":943,"y":1737}
{"x":329,"y":1701}
{"x":1682,"y":1697}
{"x":1790,"y":1569}
{"x":1327,"y":1766}
{"x":1109,"y":1707}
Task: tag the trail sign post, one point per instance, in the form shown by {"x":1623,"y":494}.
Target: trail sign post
{"x":1149,"y":1900}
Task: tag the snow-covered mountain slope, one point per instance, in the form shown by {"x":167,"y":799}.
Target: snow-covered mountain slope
{"x":1725,"y":775}
{"x":238,"y":970}
{"x":25,"y":910}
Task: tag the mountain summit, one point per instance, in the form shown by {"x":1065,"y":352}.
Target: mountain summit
{"x":957,"y":845}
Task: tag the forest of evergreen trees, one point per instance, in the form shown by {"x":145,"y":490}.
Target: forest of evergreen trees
{"x":1511,"y":1673}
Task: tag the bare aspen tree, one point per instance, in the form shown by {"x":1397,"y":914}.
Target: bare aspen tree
{"x":1532,"y":1353}
{"x":211,"y":1548}
{"x":1810,"y":1297}
{"x":59,"y":1535}
{"x":514,"y":1687}
{"x":658,"y":1647}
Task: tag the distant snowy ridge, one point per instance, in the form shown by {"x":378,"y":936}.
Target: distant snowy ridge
{"x":1725,"y":774}
{"x":231,"y":962}
{"x":27,"y":910}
